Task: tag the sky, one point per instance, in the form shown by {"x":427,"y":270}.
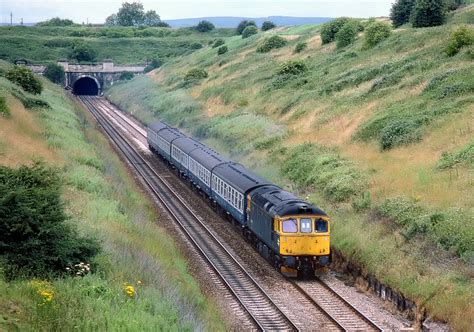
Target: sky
{"x":96,"y":11}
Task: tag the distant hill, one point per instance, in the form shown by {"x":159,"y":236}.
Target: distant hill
{"x":230,"y":21}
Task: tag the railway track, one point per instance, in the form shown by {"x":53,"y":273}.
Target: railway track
{"x":332,"y":305}
{"x":265,"y":314}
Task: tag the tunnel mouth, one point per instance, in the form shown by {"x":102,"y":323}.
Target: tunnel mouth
{"x":86,"y":86}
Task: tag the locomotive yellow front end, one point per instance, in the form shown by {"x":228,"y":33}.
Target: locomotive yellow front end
{"x":304,"y":242}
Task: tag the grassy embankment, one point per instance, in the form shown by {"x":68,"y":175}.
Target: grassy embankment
{"x":404,"y":213}
{"x":123,"y":45}
{"x":103,"y":201}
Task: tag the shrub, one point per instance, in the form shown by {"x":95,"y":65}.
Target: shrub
{"x":301,"y":46}
{"x":222,"y":50}
{"x":195,"y":74}
{"x":218,"y":42}
{"x":54,"y":72}
{"x":205,"y":26}
{"x":268,"y":25}
{"x":83,"y":52}
{"x":271,"y":43}
{"x":195,"y":46}
{"x":401,"y":11}
{"x":29,"y":102}
{"x":346,"y":35}
{"x":126,"y":76}
{"x":428,"y":13}
{"x":376,"y":33}
{"x":24,"y":77}
{"x":463,"y":156}
{"x":460,"y":38}
{"x":329,"y":30}
{"x":243,"y":24}
{"x":292,"y":67}
{"x":56,"y":22}
{"x":397,"y":133}
{"x":154,"y":63}
{"x":35,"y":239}
{"x":249,"y":31}
{"x":4,"y":110}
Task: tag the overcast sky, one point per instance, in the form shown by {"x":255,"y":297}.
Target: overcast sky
{"x":96,"y":11}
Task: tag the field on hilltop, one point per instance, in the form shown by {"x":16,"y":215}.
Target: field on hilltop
{"x":381,"y":137}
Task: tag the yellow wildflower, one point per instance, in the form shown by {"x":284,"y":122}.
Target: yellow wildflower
{"x":47,"y":295}
{"x":129,"y":290}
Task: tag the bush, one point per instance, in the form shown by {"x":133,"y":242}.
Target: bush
{"x":195,"y":46}
{"x":271,"y":43}
{"x":195,"y":74}
{"x":126,"y":76}
{"x":249,"y":31}
{"x":83,"y":52}
{"x":4,"y":110}
{"x":243,"y":24}
{"x":268,"y":25}
{"x":401,"y":11}
{"x":35,"y":239}
{"x":154,"y":63}
{"x":292,"y":67}
{"x":54,"y":72}
{"x":460,"y":38}
{"x":397,"y":133}
{"x":376,"y":33}
{"x":428,"y":13}
{"x":24,"y":77}
{"x":330,"y":29}
{"x":222,"y":50}
{"x":205,"y":26}
{"x":218,"y":42}
{"x":56,"y":22}
{"x":346,"y":35}
{"x":301,"y":46}
{"x":463,"y":156}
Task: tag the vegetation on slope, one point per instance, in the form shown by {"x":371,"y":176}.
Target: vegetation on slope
{"x":374,"y":121}
{"x":139,"y":281}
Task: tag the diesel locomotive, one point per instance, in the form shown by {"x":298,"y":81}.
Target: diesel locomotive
{"x":292,"y":234}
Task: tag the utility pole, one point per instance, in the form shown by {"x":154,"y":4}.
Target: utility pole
{"x":11,"y":18}
{"x":21,"y":21}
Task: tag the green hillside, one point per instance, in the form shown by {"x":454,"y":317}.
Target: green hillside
{"x":379,"y":137}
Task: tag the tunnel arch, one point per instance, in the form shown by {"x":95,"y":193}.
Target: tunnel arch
{"x":86,"y":85}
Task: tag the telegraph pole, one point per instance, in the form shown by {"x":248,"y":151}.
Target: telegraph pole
{"x":11,"y":18}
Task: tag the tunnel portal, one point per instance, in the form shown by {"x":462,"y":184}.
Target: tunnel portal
{"x":86,"y":86}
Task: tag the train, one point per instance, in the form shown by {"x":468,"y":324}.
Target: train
{"x":289,"y":232}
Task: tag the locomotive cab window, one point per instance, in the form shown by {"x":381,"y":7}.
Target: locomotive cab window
{"x":321,"y":226}
{"x":290,"y":226}
{"x":306,"y":225}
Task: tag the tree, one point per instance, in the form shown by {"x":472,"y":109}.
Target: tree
{"x":401,"y":11}
{"x":83,"y":52}
{"x":346,"y":35}
{"x":131,"y":14}
{"x":54,"y":72}
{"x":249,"y":31}
{"x":35,"y":239}
{"x":428,"y":13}
{"x":460,"y":38}
{"x":56,"y":22}
{"x":268,"y":25}
{"x":205,"y":26}
{"x":151,"y":19}
{"x":24,"y":77}
{"x":243,"y":24}
{"x":111,"y":20}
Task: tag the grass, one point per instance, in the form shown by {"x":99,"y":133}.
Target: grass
{"x":462,"y":157}
{"x":123,"y":45}
{"x":362,"y":132}
{"x":102,"y":199}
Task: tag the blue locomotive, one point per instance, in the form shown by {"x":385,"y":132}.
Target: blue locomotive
{"x":290,"y":233}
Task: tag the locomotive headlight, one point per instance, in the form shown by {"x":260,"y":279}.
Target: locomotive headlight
{"x":278,"y":242}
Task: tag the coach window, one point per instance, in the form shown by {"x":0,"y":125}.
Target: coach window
{"x":290,"y":226}
{"x":321,"y":226}
{"x":306,"y":225}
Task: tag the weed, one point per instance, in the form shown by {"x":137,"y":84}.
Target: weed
{"x":4,"y":110}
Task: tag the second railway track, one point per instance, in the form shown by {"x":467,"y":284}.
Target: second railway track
{"x":341,"y":315}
